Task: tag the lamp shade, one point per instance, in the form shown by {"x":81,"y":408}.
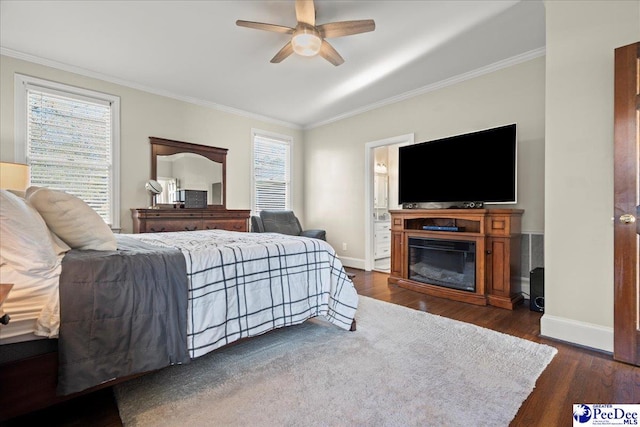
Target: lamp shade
{"x":14,"y":176}
{"x":306,"y":40}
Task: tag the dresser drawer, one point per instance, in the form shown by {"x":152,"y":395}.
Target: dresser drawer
{"x":168,"y":214}
{"x":173,"y":225}
{"x":382,"y":251}
{"x":382,"y":236}
{"x":382,"y":226}
{"x":225,"y":224}
{"x":160,"y":220}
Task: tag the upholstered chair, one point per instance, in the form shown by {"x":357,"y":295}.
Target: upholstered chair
{"x":284,"y":222}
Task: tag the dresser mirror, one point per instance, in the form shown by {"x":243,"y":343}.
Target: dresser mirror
{"x":180,"y":165}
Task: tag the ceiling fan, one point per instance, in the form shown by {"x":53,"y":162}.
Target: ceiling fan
{"x":308,"y":39}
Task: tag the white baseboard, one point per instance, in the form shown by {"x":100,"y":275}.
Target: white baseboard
{"x":352,"y":262}
{"x":576,"y":332}
{"x":560,"y":328}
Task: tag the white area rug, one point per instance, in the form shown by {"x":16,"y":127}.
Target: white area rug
{"x":402,"y":367}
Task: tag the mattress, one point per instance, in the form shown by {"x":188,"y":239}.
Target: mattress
{"x":33,"y":303}
{"x":245,"y":284}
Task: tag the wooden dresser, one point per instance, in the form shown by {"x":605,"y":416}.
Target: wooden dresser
{"x":161,"y":220}
{"x":190,"y":171}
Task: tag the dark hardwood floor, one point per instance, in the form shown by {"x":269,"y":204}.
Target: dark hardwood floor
{"x":576,"y":375}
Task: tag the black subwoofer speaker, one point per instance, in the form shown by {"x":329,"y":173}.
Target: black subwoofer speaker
{"x":536,"y":280}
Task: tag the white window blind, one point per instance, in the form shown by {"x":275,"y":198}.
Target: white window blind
{"x":70,"y":146}
{"x":271,"y":173}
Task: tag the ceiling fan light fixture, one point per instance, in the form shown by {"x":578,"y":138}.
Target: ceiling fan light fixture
{"x":306,"y":41}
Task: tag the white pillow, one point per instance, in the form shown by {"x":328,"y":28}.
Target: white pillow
{"x":58,"y":245}
{"x":20,"y":193}
{"x":25,"y":241}
{"x":71,"y":219}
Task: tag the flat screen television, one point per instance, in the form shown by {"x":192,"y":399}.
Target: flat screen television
{"x":474,"y":167}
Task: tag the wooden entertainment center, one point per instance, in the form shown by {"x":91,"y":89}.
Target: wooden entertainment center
{"x":495,"y":234}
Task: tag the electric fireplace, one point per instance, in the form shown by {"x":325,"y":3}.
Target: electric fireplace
{"x":448,"y":263}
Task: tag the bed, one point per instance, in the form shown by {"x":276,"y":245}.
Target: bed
{"x":108,"y":307}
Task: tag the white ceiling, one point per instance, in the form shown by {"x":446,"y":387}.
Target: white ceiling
{"x":193,"y":50}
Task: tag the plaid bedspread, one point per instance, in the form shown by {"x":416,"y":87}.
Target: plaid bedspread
{"x":245,"y":284}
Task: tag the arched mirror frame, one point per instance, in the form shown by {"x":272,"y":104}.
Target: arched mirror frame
{"x":166,"y":147}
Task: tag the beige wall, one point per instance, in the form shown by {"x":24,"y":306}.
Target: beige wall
{"x":144,"y":114}
{"x":335,"y":153}
{"x":581,"y":38}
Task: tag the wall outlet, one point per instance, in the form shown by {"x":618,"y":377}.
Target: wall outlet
{"x":344,"y":246}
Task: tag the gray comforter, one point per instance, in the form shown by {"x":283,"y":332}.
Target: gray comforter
{"x":121,"y":312}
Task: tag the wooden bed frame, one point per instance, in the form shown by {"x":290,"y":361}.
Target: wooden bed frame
{"x":29,"y":385}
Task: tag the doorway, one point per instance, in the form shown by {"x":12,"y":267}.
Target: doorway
{"x":381,"y":195}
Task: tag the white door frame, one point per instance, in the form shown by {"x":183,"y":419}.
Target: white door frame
{"x":369,"y":171}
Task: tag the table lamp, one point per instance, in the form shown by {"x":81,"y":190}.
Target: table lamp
{"x":14,"y":176}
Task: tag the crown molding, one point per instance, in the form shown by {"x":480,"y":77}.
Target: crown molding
{"x":514,"y":60}
{"x":104,"y":77}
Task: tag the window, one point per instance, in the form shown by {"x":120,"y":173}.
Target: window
{"x":271,"y":172}
{"x":70,"y":139}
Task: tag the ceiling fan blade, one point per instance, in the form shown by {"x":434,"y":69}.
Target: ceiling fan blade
{"x":306,"y":12}
{"x":330,"y":54}
{"x":265,"y":27}
{"x":283,"y":53}
{"x":346,"y":28}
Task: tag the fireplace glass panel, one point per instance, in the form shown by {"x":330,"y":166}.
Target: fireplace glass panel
{"x":448,"y":263}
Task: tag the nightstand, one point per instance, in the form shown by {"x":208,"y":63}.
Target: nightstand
{"x":4,"y":292}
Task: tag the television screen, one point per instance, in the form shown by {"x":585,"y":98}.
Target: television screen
{"x":474,"y":167}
